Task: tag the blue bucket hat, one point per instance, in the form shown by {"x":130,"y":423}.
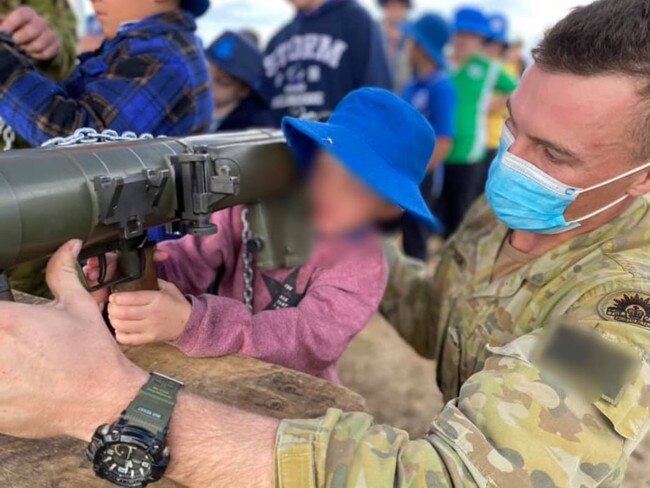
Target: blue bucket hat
{"x":471,"y":20}
{"x":431,"y":32}
{"x":238,"y":57}
{"x":195,"y":7}
{"x":380,"y":139}
{"x":498,"y":25}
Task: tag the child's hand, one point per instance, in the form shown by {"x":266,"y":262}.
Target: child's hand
{"x":91,"y":270}
{"x":144,"y":317}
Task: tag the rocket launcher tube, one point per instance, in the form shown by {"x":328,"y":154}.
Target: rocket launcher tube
{"x":108,"y":195}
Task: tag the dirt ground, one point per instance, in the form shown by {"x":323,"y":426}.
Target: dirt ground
{"x":400,"y":389}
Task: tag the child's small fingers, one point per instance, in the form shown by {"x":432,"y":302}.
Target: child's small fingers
{"x":130,"y":339}
{"x":134,"y":298}
{"x":131,"y":313}
{"x":160,"y":256}
{"x":128,"y":326}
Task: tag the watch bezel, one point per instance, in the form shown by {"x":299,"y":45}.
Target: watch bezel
{"x":107,"y":436}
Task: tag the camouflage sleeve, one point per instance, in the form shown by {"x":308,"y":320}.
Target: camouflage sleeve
{"x":63,"y":22}
{"x":407,"y":303}
{"x":521,"y":421}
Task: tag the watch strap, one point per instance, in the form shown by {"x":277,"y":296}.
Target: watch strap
{"x":152,"y":408}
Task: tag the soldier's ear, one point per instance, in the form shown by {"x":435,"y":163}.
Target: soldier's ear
{"x":642,"y":187}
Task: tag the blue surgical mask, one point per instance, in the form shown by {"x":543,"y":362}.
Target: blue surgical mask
{"x":523,"y":197}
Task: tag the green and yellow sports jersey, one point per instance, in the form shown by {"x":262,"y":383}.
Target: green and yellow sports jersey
{"x":476,"y":81}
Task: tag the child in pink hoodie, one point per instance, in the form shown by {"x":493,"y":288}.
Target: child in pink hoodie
{"x":305,"y":317}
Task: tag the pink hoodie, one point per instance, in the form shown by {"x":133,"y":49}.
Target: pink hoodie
{"x":302,"y":318}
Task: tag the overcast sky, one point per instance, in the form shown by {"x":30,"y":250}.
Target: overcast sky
{"x":529,"y":18}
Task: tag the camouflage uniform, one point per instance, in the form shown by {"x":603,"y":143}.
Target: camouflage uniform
{"x":31,"y":277}
{"x":63,"y":22}
{"x":510,"y":420}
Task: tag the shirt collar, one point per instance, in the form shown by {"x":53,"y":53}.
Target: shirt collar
{"x":542,"y":270}
{"x":177,"y":20}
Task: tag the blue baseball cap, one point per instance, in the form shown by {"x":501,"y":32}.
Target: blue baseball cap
{"x":471,"y":20}
{"x":195,"y":7}
{"x":380,"y":139}
{"x":431,"y":32}
{"x":239,"y":57}
{"x":498,"y":25}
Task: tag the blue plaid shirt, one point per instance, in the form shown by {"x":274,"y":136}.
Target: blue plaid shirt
{"x":152,"y":78}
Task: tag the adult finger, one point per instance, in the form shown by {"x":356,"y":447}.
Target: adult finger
{"x":30,"y":31}
{"x":16,"y":19}
{"x":44,"y":46}
{"x":50,"y":52}
{"x":62,"y":273}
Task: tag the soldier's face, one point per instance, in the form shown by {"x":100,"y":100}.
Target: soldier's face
{"x":113,"y":13}
{"x":582,"y":131}
{"x":340,"y":203}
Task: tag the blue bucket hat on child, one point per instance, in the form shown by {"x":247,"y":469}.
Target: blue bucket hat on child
{"x":471,"y":20}
{"x":431,"y":32}
{"x":382,"y":140}
{"x":498,"y":25}
{"x":195,"y":7}
{"x":238,"y":57}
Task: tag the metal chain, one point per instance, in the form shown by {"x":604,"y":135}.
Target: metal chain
{"x":86,"y":135}
{"x":249,"y":272}
{"x":8,"y":135}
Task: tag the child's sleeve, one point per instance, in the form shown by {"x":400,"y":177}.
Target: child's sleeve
{"x":505,"y":84}
{"x":193,"y":263}
{"x":339,"y":302}
{"x":135,"y":93}
{"x":442,"y":109}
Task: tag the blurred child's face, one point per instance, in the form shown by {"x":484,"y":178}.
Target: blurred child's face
{"x":113,"y":13}
{"x":494,"y":50}
{"x":417,"y":57}
{"x":340,"y":203}
{"x":466,"y":45}
{"x":226,"y":89}
{"x":307,"y":5}
{"x":396,"y":11}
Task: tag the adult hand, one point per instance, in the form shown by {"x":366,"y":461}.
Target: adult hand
{"x":61,"y":372}
{"x":144,"y":317}
{"x":32,"y":33}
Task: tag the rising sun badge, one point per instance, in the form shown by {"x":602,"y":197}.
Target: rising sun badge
{"x":630,"y":307}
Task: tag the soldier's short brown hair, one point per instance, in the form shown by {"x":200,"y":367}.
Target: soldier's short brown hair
{"x":604,"y":37}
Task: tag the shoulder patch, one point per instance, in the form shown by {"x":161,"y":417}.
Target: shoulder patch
{"x":630,"y":307}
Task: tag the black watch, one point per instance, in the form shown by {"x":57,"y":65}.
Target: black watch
{"x":133,"y":452}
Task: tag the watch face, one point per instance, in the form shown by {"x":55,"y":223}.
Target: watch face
{"x":126,"y":463}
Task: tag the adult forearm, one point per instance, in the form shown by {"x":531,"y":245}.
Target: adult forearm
{"x":216,"y":445}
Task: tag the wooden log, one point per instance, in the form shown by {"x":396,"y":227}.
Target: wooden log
{"x":237,"y":380}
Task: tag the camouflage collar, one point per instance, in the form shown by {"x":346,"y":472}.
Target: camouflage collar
{"x":633,"y":223}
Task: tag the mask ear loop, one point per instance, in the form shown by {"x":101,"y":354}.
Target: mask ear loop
{"x":605,"y":183}
{"x":616,"y":178}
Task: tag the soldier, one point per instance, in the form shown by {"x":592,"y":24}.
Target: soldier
{"x":45,"y":30}
{"x":537,"y":312}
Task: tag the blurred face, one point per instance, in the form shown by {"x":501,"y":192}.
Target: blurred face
{"x":226,"y":89}
{"x":465,"y":45}
{"x":395,"y":11}
{"x":113,"y":13}
{"x":417,"y":57}
{"x":494,"y":50}
{"x":340,"y":203}
{"x":306,"y":5}
{"x":559,"y":128}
